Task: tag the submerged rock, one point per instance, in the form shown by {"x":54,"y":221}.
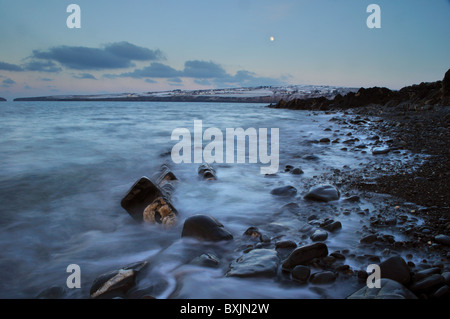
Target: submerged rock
{"x":390,"y":289}
{"x":257,"y":262}
{"x":323,"y":193}
{"x":205,"y":227}
{"x":206,"y":260}
{"x":207,"y":172}
{"x":304,"y":254}
{"x":286,"y":191}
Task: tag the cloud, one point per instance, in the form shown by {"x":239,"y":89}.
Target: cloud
{"x":134,"y":52}
{"x":203,"y":73}
{"x":8,"y":82}
{"x":150,"y":81}
{"x":154,"y":70}
{"x":42,"y":66}
{"x":86,"y":76}
{"x":175,"y":80}
{"x":46,"y":79}
{"x":10,"y":67}
{"x":113,"y":56}
{"x":203,"y":70}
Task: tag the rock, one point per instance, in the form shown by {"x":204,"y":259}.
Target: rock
{"x":395,"y":268}
{"x":390,"y":289}
{"x":369,"y":239}
{"x":324,"y":140}
{"x":292,"y":208}
{"x":286,"y":191}
{"x":441,"y":293}
{"x":426,"y":273}
{"x":446,"y":276}
{"x":353,"y":199}
{"x":254,"y":232}
{"x":206,"y":260}
{"x":206,"y":172}
{"x":319,"y":235}
{"x":333,"y":226}
{"x":117,"y":282}
{"x":380,"y":150}
{"x":54,"y":292}
{"x":324,"y":277}
{"x":2,"y":99}
{"x":300,"y":273}
{"x":323,"y":193}
{"x":304,"y":254}
{"x":150,"y":202}
{"x":297,"y":171}
{"x":257,"y":262}
{"x":443,"y":239}
{"x":205,"y":227}
{"x":285,"y":244}
{"x":428,"y":284}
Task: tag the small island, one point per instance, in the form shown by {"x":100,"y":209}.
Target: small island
{"x":3,"y":99}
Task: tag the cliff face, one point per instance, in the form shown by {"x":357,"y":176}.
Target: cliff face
{"x":415,"y":96}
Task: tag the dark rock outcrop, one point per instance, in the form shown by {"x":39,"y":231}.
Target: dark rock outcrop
{"x":305,"y":254}
{"x":416,"y":96}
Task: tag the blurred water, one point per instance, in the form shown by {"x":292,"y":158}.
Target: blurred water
{"x":65,"y":166}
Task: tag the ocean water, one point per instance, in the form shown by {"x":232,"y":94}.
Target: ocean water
{"x":65,"y":166}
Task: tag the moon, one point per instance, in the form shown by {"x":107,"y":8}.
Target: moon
{"x":272,"y":39}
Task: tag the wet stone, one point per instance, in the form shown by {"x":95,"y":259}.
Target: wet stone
{"x":323,"y":193}
{"x":428,"y":284}
{"x":319,"y":235}
{"x":256,"y":263}
{"x":205,"y":227}
{"x":380,"y":150}
{"x":206,"y":260}
{"x":117,"y":282}
{"x":285,"y":191}
{"x":285,"y":244}
{"x":324,"y":277}
{"x":443,"y":239}
{"x":369,"y":239}
{"x":395,"y":268}
{"x":301,"y":273}
{"x":305,"y":254}
{"x":390,"y":289}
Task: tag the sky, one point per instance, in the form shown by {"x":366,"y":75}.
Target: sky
{"x":145,"y":46}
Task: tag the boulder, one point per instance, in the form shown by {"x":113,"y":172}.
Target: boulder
{"x":395,"y":268}
{"x":150,"y":202}
{"x":117,"y":282}
{"x":390,"y":289}
{"x":304,"y":254}
{"x":205,"y":227}
{"x":286,"y":191}
{"x":428,"y":284}
{"x":323,"y":193}
{"x":332,"y":226}
{"x":256,"y":263}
